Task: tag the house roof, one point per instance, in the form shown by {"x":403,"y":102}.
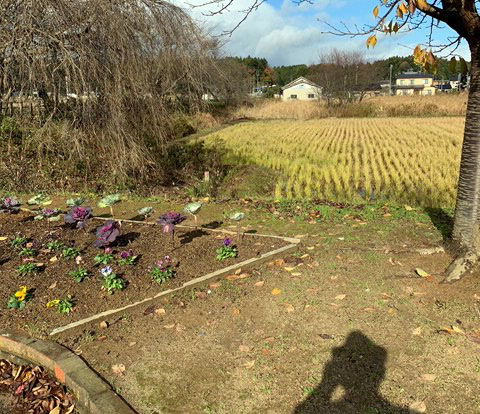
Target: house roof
{"x":416,"y":75}
{"x":299,"y":80}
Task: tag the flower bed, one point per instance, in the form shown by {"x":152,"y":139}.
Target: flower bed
{"x":51,"y":263}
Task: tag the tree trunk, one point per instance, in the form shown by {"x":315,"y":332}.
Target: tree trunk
{"x":467,"y":211}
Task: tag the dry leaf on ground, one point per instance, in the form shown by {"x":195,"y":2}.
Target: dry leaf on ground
{"x":260,"y":283}
{"x":243,"y":348}
{"x":290,"y":308}
{"x":417,"y":331}
{"x":276,"y":292}
{"x":340,"y":297}
{"x":429,"y":377}
{"x":417,"y":407}
{"x":118,"y":369}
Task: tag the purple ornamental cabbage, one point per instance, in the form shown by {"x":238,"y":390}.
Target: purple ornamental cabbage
{"x":79,"y":216}
{"x":107,"y":233}
{"x":9,"y":205}
{"x":126,"y":254}
{"x":169,"y":220}
{"x":50,"y":212}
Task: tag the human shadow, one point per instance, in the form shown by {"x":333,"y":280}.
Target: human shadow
{"x":358,"y":366}
{"x":441,"y":220}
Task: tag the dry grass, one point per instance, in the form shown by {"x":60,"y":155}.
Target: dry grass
{"x":440,"y":105}
{"x":411,"y":160}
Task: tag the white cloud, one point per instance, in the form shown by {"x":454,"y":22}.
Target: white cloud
{"x":292,"y":34}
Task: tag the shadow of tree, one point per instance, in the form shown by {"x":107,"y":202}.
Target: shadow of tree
{"x":358,"y":366}
{"x":442,"y":220}
{"x":188,"y":237}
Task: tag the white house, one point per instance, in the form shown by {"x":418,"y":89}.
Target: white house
{"x":301,"y":89}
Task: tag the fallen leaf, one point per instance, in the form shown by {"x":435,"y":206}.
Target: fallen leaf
{"x":325,"y":336}
{"x":201,"y":295}
{"x":169,"y":326}
{"x":160,"y":311}
{"x":243,"y":348}
{"x":340,"y":297}
{"x":417,"y":331}
{"x":296,"y":274}
{"x":215,"y":285}
{"x":56,"y":410}
{"x":54,"y":259}
{"x":387,"y":215}
{"x":236,"y":312}
{"x":333,"y":277}
{"x":290,"y":308}
{"x":421,"y":272}
{"x":132,"y":344}
{"x":70,"y":409}
{"x":118,"y":369}
{"x":3,"y":238}
{"x":392,"y":311}
{"x":429,"y":377}
{"x":368,"y":309}
{"x":149,"y":310}
{"x":244,"y":275}
{"x":260,"y":283}
{"x":53,"y":285}
{"x":238,"y":271}
{"x":249,"y":364}
{"x":408,"y":208}
{"x":279,"y":262}
{"x":289,"y":269}
{"x":276,"y":292}
{"x":417,"y":407}
{"x":29,"y":245}
{"x":104,"y":324}
{"x":476,"y":297}
{"x":231,"y":277}
{"x":310,"y":247}
{"x":458,"y":330}
{"x":180,"y":328}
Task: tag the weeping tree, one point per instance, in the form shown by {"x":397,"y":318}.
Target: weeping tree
{"x":102,"y":77}
{"x":397,"y":16}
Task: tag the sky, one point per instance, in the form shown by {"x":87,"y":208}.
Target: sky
{"x":287,"y":34}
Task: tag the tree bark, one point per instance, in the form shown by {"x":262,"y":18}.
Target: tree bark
{"x":467,"y":211}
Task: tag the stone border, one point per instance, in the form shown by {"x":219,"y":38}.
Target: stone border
{"x":93,"y":394}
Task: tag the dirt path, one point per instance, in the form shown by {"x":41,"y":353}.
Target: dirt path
{"x":344,"y":326}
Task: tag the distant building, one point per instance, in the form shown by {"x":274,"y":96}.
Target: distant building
{"x":414,"y":83}
{"x":301,"y":89}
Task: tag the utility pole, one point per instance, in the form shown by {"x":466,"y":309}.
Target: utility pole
{"x":391,"y":70}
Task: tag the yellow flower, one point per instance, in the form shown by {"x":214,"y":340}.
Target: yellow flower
{"x":53,"y":303}
{"x":21,"y":294}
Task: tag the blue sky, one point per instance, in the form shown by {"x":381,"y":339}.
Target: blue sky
{"x":287,"y":34}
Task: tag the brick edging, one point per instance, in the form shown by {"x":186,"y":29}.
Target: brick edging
{"x":93,"y":394}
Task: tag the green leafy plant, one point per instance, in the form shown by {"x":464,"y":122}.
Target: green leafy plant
{"x":55,"y":245}
{"x":75,"y":202}
{"x":28,"y":252}
{"x":109,"y":201}
{"x":112,"y":281}
{"x":19,"y":299}
{"x":39,"y":200}
{"x":193,"y":209}
{"x":145,"y":212}
{"x":64,"y":305}
{"x":127,"y":258}
{"x":70,"y":252}
{"x":227,"y":251}
{"x":162,"y":271}
{"x":28,"y":268}
{"x":18,"y":242}
{"x":79,"y":274}
{"x":104,"y":258}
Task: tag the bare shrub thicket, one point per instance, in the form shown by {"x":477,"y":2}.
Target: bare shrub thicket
{"x":97,"y":82}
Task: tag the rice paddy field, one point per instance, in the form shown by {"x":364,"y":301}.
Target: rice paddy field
{"x":406,"y":160}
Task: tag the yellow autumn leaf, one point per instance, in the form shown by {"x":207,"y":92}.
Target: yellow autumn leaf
{"x":3,"y":238}
{"x":372,"y":41}
{"x":53,"y":303}
{"x":276,"y":292}
{"x":458,"y":330}
{"x":421,"y":272}
{"x":376,"y":10}
{"x":422,"y":4}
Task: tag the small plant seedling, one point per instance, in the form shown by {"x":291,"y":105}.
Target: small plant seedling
{"x":127,"y":258}
{"x":104,"y":258}
{"x":79,"y":274}
{"x":109,"y":201}
{"x":194,"y":209}
{"x":75,"y":202}
{"x":70,"y":252}
{"x":18,"y":242}
{"x":145,"y":212}
{"x":55,"y":245}
{"x":64,"y":305}
{"x":51,"y":214}
{"x":39,"y":200}
{"x":162,"y":271}
{"x":28,"y":268}
{"x":19,"y":299}
{"x":228,"y":250}
{"x":112,"y":281}
{"x":28,"y":252}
